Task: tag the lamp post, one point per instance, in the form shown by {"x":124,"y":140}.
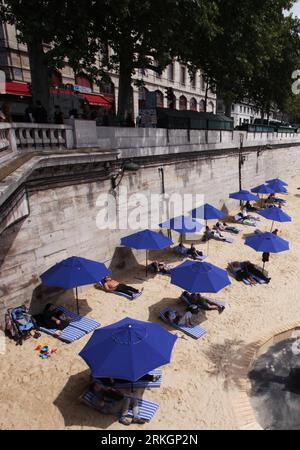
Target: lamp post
{"x":241,"y":162}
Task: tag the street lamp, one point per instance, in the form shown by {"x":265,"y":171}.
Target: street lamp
{"x":127,"y":166}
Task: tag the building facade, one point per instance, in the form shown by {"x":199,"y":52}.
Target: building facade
{"x":189,"y":92}
{"x":243,"y":112}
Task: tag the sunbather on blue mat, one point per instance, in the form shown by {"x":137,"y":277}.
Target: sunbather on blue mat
{"x":185,"y":320}
{"x":113,"y":402}
{"x":53,"y":318}
{"x":202,"y":302}
{"x":111,"y":285}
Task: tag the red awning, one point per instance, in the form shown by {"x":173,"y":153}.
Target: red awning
{"x":96,"y":99}
{"x":16,"y":88}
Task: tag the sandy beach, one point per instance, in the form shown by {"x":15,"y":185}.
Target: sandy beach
{"x":198,"y":386}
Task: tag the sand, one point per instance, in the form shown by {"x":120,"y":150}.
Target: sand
{"x":198,"y":385}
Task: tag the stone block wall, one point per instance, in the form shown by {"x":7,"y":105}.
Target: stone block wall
{"x":62,"y":220}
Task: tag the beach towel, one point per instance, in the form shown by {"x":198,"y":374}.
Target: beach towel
{"x":121,"y":294}
{"x":147,"y":409}
{"x":69,"y":334}
{"x":233,"y":230}
{"x":196,"y":332}
{"x":234,"y":270}
{"x":143,"y":384}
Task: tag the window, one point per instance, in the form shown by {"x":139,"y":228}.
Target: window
{"x":202,"y":106}
{"x":159,"y":99}
{"x":193,"y":104}
{"x":171,"y":72}
{"x":142,"y":97}
{"x":202,"y":83}
{"x":241,"y":109}
{"x":56,"y":78}
{"x":232,"y":107}
{"x":83,"y":81}
{"x":182,"y":74}
{"x":245,"y":109}
{"x":182,"y":103}
{"x":210,"y":107}
{"x":193,"y":81}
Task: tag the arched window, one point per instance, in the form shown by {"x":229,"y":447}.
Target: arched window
{"x":159,"y":99}
{"x":202,"y":106}
{"x":210,"y":107}
{"x":56,"y":78}
{"x":142,"y":97}
{"x":182,"y":103}
{"x":193,"y":104}
{"x":83,"y":81}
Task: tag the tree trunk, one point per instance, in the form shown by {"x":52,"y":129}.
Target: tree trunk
{"x":228,"y":108}
{"x":39,"y":74}
{"x":125,"y":91}
{"x":206,"y":97}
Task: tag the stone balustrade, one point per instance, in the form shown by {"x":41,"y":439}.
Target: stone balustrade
{"x":5,"y":129}
{"x":43,"y":136}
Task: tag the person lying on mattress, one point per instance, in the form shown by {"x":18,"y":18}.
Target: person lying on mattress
{"x":53,"y":318}
{"x":250,"y":207}
{"x":241,"y":274}
{"x":253,"y":270}
{"x":186,"y":319}
{"x":113,"y":402}
{"x":181,"y":249}
{"x":193,"y":252}
{"x":203,"y":302}
{"x":111,"y":285}
{"x":224,"y":227}
{"x":159,"y":267}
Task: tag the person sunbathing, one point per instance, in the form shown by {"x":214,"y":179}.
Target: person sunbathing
{"x":251,"y":269}
{"x":194,"y":253}
{"x":181,"y":249}
{"x":113,"y":402}
{"x":52,"y":317}
{"x":159,"y":267}
{"x":224,"y":227}
{"x":185,"y":320}
{"x":241,"y":273}
{"x":111,"y":285}
{"x":249,"y":207}
{"x":203,"y":302}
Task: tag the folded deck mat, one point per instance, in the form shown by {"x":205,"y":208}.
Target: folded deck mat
{"x":69,"y":334}
{"x":121,"y":294}
{"x":189,"y":303}
{"x":80,"y":322}
{"x":196,"y":332}
{"x":147,"y":409}
{"x":138,"y":384}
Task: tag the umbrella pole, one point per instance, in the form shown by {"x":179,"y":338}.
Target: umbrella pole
{"x":146,"y":263}
{"x":77,"y":302}
{"x":264,"y":267}
{"x":207,"y":238}
{"x":272,"y":226}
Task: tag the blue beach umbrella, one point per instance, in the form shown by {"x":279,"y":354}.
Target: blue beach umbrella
{"x":278,"y":187}
{"x":207,"y":212}
{"x":74,"y":272}
{"x":275,"y":214}
{"x":262,"y":189}
{"x":199,"y":277}
{"x":267,"y":243}
{"x":146,"y":240}
{"x":182,"y":224}
{"x":243,"y":195}
{"x":277,"y":180}
{"x":128,"y":349}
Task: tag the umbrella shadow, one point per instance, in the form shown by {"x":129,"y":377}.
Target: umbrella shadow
{"x":42,"y":295}
{"x":246,"y":235}
{"x":74,"y":411}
